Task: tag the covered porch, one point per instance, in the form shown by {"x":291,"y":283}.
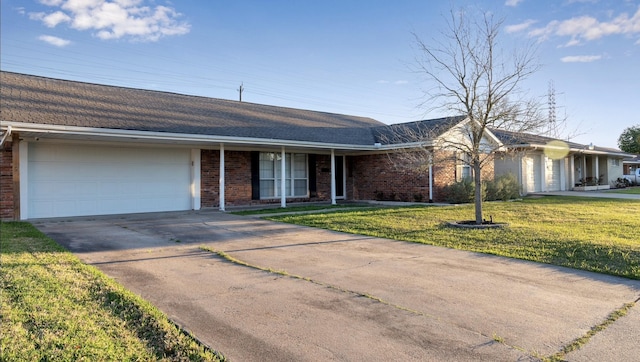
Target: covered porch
{"x":589,"y":172}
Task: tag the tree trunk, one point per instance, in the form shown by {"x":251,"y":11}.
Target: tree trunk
{"x":477,"y":177}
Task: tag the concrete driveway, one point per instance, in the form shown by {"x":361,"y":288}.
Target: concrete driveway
{"x":354,"y":298}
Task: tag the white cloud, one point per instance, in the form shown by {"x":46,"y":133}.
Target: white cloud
{"x":115,"y":19}
{"x":586,"y":28}
{"x":54,"y":40}
{"x":512,"y":2}
{"x":401,"y":82}
{"x":50,"y":20}
{"x":515,"y":28}
{"x":580,"y":58}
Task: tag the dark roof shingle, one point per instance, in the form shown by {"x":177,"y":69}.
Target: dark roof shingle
{"x":415,"y":131}
{"x":35,"y":99}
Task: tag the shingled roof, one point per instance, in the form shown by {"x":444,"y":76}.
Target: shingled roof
{"x":415,"y":131}
{"x":34,"y":99}
{"x":527,"y":139}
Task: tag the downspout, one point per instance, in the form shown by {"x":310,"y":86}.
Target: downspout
{"x":6,"y":135}
{"x":283,"y":185}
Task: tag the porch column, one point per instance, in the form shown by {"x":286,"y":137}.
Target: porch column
{"x":543,"y":173}
{"x":333,"y":177}
{"x":221,"y":181}
{"x":283,"y":175}
{"x":195,"y":179}
{"x":596,"y":169}
{"x":572,"y":172}
{"x":430,"y":182}
{"x":563,"y":174}
{"x":583,"y":174}
{"x":21,"y":175}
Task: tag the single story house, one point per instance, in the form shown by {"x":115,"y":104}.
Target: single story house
{"x":542,"y":164}
{"x":72,"y":148}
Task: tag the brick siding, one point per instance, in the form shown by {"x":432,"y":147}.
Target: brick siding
{"x":6,"y":182}
{"x":238,"y":180}
{"x":374,"y":177}
{"x":237,"y":174}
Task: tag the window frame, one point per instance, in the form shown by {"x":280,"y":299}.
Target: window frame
{"x":292,"y":174}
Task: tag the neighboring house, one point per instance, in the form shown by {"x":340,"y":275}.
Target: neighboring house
{"x":629,"y":166}
{"x":72,"y":148}
{"x":540,"y":165}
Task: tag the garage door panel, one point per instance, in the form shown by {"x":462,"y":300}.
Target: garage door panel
{"x":73,"y":180}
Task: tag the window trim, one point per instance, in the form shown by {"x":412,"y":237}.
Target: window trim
{"x":290,"y":180}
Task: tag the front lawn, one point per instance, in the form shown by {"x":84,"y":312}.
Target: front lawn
{"x":55,"y":308}
{"x":628,"y":190}
{"x":599,"y":235}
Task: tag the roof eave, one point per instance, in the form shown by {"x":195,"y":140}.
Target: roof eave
{"x":584,"y":150}
{"x":183,"y":138}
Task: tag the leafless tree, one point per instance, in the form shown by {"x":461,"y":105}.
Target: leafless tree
{"x":469,"y":74}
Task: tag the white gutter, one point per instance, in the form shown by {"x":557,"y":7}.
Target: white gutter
{"x":181,"y":137}
{"x":585,"y":150}
{"x":5,"y":135}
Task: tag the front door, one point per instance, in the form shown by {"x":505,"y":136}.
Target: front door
{"x":339,"y":177}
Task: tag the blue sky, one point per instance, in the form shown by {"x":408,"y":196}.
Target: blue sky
{"x":339,"y":56}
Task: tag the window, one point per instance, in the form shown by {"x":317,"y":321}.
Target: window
{"x":466,"y":172}
{"x":615,"y":161}
{"x":296,"y":175}
{"x":463,"y":169}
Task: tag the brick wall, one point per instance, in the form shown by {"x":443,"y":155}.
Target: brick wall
{"x":6,"y":182}
{"x":209,"y":178}
{"x":237,"y":174}
{"x":238,"y":179}
{"x":323,"y":178}
{"x":374,"y":177}
{"x":368,"y":177}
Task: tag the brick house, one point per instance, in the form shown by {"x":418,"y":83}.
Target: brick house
{"x":71,"y":148}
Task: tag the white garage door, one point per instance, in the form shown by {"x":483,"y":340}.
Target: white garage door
{"x":532,"y":174}
{"x":74,"y":180}
{"x":552,"y":174}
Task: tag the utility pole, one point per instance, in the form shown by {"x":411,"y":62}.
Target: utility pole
{"x":240,"y":90}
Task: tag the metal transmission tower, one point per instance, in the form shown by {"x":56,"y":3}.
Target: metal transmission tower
{"x":552,"y":109}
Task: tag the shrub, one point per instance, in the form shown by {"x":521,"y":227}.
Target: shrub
{"x":460,"y":192}
{"x":504,"y":188}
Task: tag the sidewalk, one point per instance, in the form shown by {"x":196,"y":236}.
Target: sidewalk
{"x":598,"y":194}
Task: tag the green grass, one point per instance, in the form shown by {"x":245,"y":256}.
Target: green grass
{"x":629,"y":190}
{"x":55,"y":308}
{"x":598,"y":235}
{"x":584,"y":339}
{"x":290,"y":209}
